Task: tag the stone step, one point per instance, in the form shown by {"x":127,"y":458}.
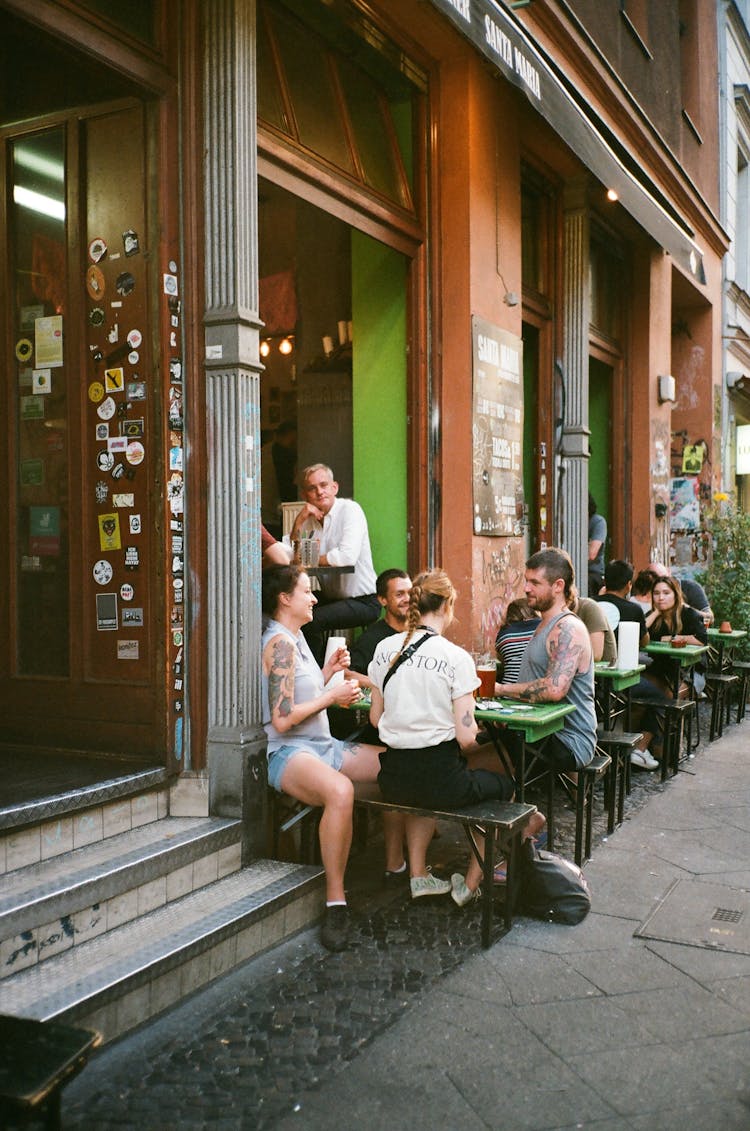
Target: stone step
{"x":47,"y":907}
{"x":63,"y":802}
{"x":30,"y":834}
{"x":122,"y":978}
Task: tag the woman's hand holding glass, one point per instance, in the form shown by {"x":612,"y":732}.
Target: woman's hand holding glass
{"x":339,"y":661}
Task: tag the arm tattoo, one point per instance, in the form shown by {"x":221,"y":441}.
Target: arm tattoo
{"x":564,"y":657}
{"x":466,"y":720}
{"x":281,"y":679}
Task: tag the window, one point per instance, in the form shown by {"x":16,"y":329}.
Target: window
{"x":354,"y":115}
{"x":607,"y":277}
{"x":742,"y":223}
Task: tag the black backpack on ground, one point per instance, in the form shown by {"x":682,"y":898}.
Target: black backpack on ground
{"x":551,"y":887}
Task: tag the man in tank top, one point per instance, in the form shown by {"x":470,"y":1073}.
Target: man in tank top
{"x":558,"y":666}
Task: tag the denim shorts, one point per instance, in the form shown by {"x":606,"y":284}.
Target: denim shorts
{"x":328,"y":750}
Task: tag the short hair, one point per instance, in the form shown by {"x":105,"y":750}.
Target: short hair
{"x":519,"y":610}
{"x":277,"y":580}
{"x":617,"y":574}
{"x":313,"y":467}
{"x":556,"y":565}
{"x":381,"y":585}
{"x":644,"y":583}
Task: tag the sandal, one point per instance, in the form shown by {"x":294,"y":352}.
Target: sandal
{"x":500,"y":874}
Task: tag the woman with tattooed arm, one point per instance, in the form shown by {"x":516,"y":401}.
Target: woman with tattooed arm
{"x":304,"y":760}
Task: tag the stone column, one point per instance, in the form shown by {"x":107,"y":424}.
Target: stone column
{"x":576,"y":303}
{"x":236,"y":761}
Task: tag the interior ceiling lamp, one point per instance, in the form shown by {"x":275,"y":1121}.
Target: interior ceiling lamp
{"x":612,"y":195}
{"x":285,"y":344}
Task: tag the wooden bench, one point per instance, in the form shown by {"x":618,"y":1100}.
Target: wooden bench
{"x":37,"y":1058}
{"x":502,"y":822}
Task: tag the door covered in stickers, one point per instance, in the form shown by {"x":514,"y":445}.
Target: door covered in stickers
{"x":82,"y":618}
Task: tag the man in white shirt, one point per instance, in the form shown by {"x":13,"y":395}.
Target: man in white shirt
{"x":347,"y":599}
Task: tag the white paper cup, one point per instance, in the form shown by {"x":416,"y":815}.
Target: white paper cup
{"x":332,"y":645}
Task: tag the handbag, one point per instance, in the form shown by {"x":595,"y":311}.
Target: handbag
{"x":551,"y":887}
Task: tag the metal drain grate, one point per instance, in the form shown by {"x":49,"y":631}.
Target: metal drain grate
{"x":724,"y":915}
{"x":694,"y":913}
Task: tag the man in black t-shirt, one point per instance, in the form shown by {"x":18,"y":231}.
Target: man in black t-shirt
{"x":392,"y":589}
{"x":618,"y":579}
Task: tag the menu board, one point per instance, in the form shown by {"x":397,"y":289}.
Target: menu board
{"x":497,"y":364}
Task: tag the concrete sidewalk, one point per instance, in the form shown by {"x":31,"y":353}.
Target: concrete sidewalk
{"x":551,"y":1028}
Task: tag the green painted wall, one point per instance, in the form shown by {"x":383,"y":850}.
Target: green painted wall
{"x":600,"y":417}
{"x":379,"y":396}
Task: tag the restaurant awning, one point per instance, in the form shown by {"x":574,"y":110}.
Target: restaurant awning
{"x":500,"y":38}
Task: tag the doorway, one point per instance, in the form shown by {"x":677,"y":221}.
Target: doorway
{"x":334,"y":304}
{"x":81,"y":613}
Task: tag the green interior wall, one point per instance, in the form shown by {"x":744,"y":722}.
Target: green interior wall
{"x":600,"y":416}
{"x":379,"y":396}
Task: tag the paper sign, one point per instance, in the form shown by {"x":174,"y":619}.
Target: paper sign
{"x":48,"y":341}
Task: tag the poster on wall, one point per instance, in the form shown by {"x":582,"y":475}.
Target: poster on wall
{"x":684,"y":513}
{"x":497,"y":429}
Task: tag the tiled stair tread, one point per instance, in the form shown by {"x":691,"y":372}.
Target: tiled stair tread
{"x":49,"y":988}
{"x":72,"y":800}
{"x":81,"y":866}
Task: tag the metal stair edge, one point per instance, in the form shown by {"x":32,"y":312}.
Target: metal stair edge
{"x":72,"y":801}
{"x":145,"y":948}
{"x":87,"y":884}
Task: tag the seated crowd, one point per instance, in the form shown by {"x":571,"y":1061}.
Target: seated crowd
{"x":421,"y":744}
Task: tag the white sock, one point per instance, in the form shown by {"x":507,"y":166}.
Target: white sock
{"x":336,"y":903}
{"x":398,"y":871}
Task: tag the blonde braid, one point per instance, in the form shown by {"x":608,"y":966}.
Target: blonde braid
{"x":412,"y":619}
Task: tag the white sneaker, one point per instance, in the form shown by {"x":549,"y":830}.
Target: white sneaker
{"x":428,"y":885}
{"x":460,"y":894}
{"x":644,"y":760}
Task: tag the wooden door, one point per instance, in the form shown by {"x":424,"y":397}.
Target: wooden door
{"x":81,"y":613}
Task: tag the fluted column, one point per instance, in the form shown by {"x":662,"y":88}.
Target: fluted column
{"x":573,"y":533}
{"x":235,"y":739}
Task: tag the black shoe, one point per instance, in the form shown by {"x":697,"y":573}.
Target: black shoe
{"x":395,"y":879}
{"x":334,"y":934}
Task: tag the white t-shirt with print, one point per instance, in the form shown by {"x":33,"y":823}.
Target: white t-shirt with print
{"x":418,"y":701}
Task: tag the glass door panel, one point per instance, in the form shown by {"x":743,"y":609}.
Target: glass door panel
{"x":40,"y":585}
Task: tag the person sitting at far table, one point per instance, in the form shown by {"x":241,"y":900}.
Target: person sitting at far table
{"x":640,"y":591}
{"x":347,"y":600}
{"x":392,"y":589}
{"x":618,"y":581}
{"x":304,"y":760}
{"x":670,"y":620}
{"x":693,"y":594}
{"x":559,"y":663}
{"x":602,"y":637}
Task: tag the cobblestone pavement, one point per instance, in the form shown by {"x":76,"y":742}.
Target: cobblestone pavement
{"x":240,"y":1053}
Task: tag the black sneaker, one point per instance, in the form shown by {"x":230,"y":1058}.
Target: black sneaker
{"x":395,"y":879}
{"x":334,"y":934}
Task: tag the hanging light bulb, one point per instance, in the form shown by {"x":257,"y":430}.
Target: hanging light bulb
{"x":265,"y":348}
{"x":286,"y":345}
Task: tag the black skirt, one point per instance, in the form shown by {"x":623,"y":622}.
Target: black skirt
{"x":438,"y":777}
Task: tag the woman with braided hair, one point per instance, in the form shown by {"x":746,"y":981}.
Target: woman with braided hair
{"x":425,"y":718}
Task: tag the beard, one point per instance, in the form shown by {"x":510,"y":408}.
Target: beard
{"x":541,"y":604}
